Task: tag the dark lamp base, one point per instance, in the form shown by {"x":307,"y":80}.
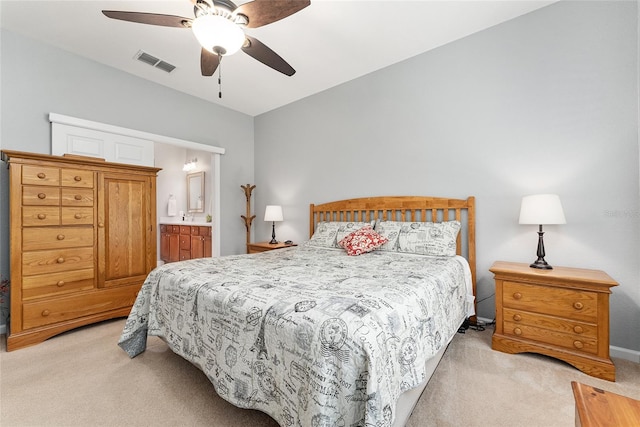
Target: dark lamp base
{"x":273,"y":234}
{"x":541,"y":264}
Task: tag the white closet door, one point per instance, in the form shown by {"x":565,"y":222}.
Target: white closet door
{"x":66,"y":139}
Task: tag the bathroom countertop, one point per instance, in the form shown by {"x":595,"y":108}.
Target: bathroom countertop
{"x":187,"y":221}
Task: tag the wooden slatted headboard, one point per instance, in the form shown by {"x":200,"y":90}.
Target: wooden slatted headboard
{"x":406,"y":208}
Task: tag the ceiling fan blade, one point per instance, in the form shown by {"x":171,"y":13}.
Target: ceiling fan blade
{"x":208,"y":62}
{"x":149,"y":18}
{"x":258,"y":50}
{"x":263,"y":12}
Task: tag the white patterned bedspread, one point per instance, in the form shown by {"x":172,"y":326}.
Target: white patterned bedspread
{"x":310,"y":336}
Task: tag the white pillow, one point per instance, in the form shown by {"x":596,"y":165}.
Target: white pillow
{"x":329,"y":233}
{"x":389,"y":230}
{"x":426,"y":238}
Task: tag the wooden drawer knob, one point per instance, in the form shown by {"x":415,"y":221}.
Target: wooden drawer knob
{"x":578,"y":329}
{"x":45,"y":313}
{"x":517,"y":331}
{"x":578,"y":344}
{"x":42,"y":196}
{"x":578,"y":305}
{"x":60,"y":283}
{"x":101,"y":224}
{"x":77,"y":178}
{"x":42,"y":216}
{"x":517,"y":317}
{"x":60,"y":237}
{"x":60,"y":260}
{"x":77,"y":197}
{"x":42,"y":175}
{"x":517,"y":295}
{"x":77,"y":216}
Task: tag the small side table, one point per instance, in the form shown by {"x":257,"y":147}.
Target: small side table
{"x":596,"y":407}
{"x":254,"y":248}
{"x":562,"y":313}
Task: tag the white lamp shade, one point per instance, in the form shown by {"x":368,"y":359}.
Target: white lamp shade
{"x":216,"y":31}
{"x":273,"y":213}
{"x":541,"y":209}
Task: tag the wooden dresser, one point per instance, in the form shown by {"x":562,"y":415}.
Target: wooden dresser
{"x":562,"y":313}
{"x":83,"y":240}
{"x":182,"y":242}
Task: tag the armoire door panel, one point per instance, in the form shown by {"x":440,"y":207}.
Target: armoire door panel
{"x":125,"y":228}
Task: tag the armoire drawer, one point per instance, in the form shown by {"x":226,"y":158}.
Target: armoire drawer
{"x":57,"y":310}
{"x":76,"y":197}
{"x":41,"y":238}
{"x":555,"y":301}
{"x":77,"y":216}
{"x":77,"y":178}
{"x":40,"y":196}
{"x":34,"y":216}
{"x":40,"y":175}
{"x":45,"y":285}
{"x":57,"y":261}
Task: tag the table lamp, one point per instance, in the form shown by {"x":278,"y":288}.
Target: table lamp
{"x":541,"y":209}
{"x":273,"y":213}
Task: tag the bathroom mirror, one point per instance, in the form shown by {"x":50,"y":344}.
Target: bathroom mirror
{"x":195,"y":192}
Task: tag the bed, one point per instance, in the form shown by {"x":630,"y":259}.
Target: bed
{"x":321,"y":334}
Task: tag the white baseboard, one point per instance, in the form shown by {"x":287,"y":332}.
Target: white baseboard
{"x":619,"y":352}
{"x":624,"y":353}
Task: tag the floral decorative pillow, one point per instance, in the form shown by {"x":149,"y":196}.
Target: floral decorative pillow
{"x":428,"y":238}
{"x":329,"y":233}
{"x":362,"y":241}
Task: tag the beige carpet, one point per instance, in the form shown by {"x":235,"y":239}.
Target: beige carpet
{"x":82,"y":378}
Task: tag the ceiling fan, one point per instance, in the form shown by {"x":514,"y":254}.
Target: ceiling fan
{"x":218,"y":26}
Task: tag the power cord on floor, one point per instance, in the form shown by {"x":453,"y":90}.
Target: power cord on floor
{"x":475,"y":324}
{"x":465,"y":325}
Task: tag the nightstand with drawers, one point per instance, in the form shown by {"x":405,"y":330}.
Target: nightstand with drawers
{"x":562,"y":313}
{"x":254,"y":248}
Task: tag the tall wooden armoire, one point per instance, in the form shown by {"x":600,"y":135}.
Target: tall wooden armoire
{"x":83,"y":239}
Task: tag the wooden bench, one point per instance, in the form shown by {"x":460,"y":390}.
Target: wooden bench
{"x":598,"y":408}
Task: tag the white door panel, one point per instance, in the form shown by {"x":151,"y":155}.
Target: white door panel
{"x":66,"y":139}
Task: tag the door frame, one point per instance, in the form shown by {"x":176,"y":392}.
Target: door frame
{"x":216,"y":153}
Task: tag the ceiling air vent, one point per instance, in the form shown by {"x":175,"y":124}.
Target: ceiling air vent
{"x":154,"y":62}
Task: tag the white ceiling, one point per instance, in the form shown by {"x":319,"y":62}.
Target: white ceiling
{"x":328,"y":43}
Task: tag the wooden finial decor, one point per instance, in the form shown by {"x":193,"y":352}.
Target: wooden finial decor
{"x":248,"y":218}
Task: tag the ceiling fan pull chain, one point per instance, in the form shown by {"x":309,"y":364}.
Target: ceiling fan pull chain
{"x":219,"y":76}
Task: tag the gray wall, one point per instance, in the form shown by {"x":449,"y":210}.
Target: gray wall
{"x":543,"y":103}
{"x":37,"y":79}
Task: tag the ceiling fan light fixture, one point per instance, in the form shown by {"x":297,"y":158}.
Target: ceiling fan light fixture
{"x":218,"y":34}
